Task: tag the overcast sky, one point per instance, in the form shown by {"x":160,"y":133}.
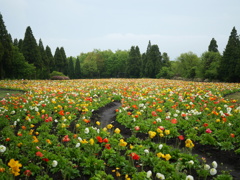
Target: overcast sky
{"x":176,"y":26}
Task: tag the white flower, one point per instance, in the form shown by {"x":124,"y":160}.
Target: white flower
{"x":2,"y":148}
{"x":214,"y":164}
{"x":191,"y":162}
{"x":77,"y":145}
{"x":146,"y":151}
{"x":54,"y":163}
{"x":79,"y":138}
{"x":158,"y":120}
{"x":206,"y":167}
{"x":160,"y":146}
{"x":149,"y":174}
{"x":86,"y":130}
{"x":189,"y":177}
{"x":160,"y":176}
{"x":213,"y":171}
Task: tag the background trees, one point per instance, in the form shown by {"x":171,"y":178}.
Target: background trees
{"x":24,"y":58}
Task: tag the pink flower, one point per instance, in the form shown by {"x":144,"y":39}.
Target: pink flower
{"x":66,"y":138}
{"x":137,"y":128}
{"x":208,"y":130}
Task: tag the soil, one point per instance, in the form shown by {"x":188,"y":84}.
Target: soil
{"x":227,"y":160}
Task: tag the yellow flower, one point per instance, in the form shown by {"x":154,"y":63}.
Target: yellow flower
{"x":189,"y":143}
{"x":218,"y":120}
{"x":98,"y":123}
{"x":152,"y":134}
{"x":122,"y":142}
{"x":84,"y":141}
{"x":35,"y":139}
{"x":161,"y":135}
{"x":19,"y":144}
{"x":43,"y":111}
{"x":131,"y":146}
{"x":109,"y":126}
{"x":167,"y":157}
{"x":77,"y":125}
{"x":160,"y":155}
{"x":14,"y":167}
{"x":159,"y":130}
{"x":167,"y":132}
{"x":48,"y":141}
{"x":91,"y":141}
{"x":117,"y":131}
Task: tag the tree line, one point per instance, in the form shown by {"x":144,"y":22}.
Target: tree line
{"x":28,"y":59}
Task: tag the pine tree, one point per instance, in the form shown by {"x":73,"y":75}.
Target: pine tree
{"x":71,"y":73}
{"x":31,"y":51}
{"x":230,"y":63}
{"x":65,"y":63}
{"x":134,"y":63}
{"x":50,"y":59}
{"x":58,"y":60}
{"x":77,"y":69}
{"x":5,"y":51}
{"x":45,"y":61}
{"x":213,"y":47}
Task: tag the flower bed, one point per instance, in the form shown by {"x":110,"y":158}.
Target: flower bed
{"x":52,"y":130}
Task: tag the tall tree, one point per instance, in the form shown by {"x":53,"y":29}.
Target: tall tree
{"x":165,"y":60}
{"x":153,"y":62}
{"x":64,"y":59}
{"x":5,"y":50}
{"x":58,"y":60}
{"x":71,"y":73}
{"x":213,"y":47}
{"x":45,"y":61}
{"x":134,"y":63}
{"x":210,"y":64}
{"x":50,"y":59}
{"x":230,"y":63}
{"x":31,"y":51}
{"x":77,"y":69}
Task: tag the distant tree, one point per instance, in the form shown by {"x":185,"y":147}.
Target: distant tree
{"x":144,"y":70}
{"x":153,"y":61}
{"x":188,"y":64}
{"x":31,"y":51}
{"x":230,"y":63}
{"x":21,"y":69}
{"x":165,"y":60}
{"x":213,"y":47}
{"x":64,"y":59}
{"x":58,"y":59}
{"x":45,"y":61}
{"x":5,"y":51}
{"x":50,"y":59}
{"x":89,"y":66}
{"x":210,"y":64}
{"x":134,"y":63}
{"x":77,"y":69}
{"x":71,"y":73}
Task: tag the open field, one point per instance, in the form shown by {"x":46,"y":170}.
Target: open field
{"x":120,"y":129}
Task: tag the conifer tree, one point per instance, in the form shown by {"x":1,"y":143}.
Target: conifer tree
{"x":230,"y":63}
{"x":213,"y":47}
{"x":50,"y":59}
{"x":64,"y":60}
{"x":45,"y":61}
{"x":77,"y":69}
{"x":5,"y":50}
{"x":71,"y":73}
{"x":58,"y":60}
{"x":31,"y":51}
{"x":134,"y":63}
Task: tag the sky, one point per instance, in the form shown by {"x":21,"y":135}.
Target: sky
{"x":80,"y":26}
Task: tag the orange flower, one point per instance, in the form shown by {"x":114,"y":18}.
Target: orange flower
{"x":61,"y":112}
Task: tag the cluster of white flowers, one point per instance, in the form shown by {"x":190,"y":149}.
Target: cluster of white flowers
{"x":212,"y":170}
{"x":2,"y":148}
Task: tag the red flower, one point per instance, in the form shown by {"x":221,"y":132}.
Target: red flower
{"x":174,"y":121}
{"x":154,"y":113}
{"x":107,"y":146}
{"x":66,"y":138}
{"x":39,"y":154}
{"x":45,"y":159}
{"x":181,"y":137}
{"x":137,"y":128}
{"x":61,"y":112}
{"x":232,"y":135}
{"x":208,"y":130}
{"x":99,"y":139}
{"x":27,"y":173}
{"x":205,"y":124}
{"x":105,"y":140}
{"x":135,"y":156}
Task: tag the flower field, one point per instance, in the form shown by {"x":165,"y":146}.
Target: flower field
{"x":162,"y":129}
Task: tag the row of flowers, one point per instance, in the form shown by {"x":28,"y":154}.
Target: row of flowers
{"x":49,"y":130}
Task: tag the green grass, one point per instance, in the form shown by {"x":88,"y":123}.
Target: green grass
{"x":235,"y":96}
{"x":4,"y":92}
